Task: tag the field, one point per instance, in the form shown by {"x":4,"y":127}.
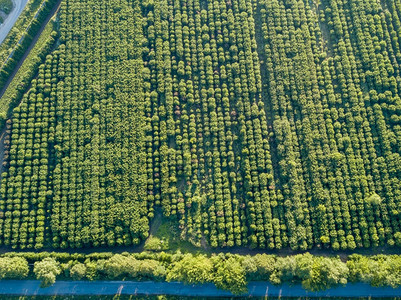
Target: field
{"x":265,"y":124}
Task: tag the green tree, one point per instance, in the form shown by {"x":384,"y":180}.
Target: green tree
{"x":120,"y":265}
{"x":397,"y":237}
{"x":155,"y":244}
{"x":260,"y":266}
{"x":13,"y":268}
{"x":78,"y":271}
{"x":229,"y":274}
{"x":325,"y":273}
{"x":191,"y":269}
{"x":46,"y":271}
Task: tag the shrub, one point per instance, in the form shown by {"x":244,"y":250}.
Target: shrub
{"x":46,"y":271}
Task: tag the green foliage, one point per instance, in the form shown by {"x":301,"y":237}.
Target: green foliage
{"x":259,"y":267}
{"x":78,"y":271}
{"x":314,"y":272}
{"x":156,"y":244}
{"x":374,"y":199}
{"x":226,"y":271}
{"x":21,"y":36}
{"x":229,"y":274}
{"x":27,"y":71}
{"x":325,"y":273}
{"x":46,"y":271}
{"x":397,"y":237}
{"x":13,"y":268}
{"x":264,"y":124}
{"x":191,"y":269}
{"x":120,"y":265}
{"x":380,"y":270}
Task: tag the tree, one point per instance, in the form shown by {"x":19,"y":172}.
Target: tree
{"x":380,"y":270}
{"x":191,"y":269}
{"x":78,"y":271}
{"x":325,"y":273}
{"x":229,"y":274}
{"x":397,"y":237}
{"x":374,"y":199}
{"x":120,"y":265}
{"x":46,"y":271}
{"x":155,"y":244}
{"x":259,"y":267}
{"x":13,"y":268}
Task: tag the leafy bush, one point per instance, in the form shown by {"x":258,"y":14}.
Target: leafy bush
{"x":155,"y":244}
{"x":120,"y":266}
{"x":78,"y":271}
{"x":13,"y":268}
{"x":46,"y":271}
{"x":191,"y":269}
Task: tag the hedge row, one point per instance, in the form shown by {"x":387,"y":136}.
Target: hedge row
{"x":227,"y":271}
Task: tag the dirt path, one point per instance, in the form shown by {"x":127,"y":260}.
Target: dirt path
{"x":156,"y":222}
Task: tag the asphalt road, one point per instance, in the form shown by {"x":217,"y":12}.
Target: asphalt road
{"x":12,"y":18}
{"x":260,"y":289}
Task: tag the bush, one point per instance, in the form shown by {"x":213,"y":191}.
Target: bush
{"x":46,"y":271}
{"x":120,"y":265}
{"x":374,"y":199}
{"x":156,"y":244}
{"x":191,"y":269}
{"x":78,"y":271}
{"x":260,"y":266}
{"x":314,"y":272}
{"x":229,"y":274}
{"x":13,"y":268}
